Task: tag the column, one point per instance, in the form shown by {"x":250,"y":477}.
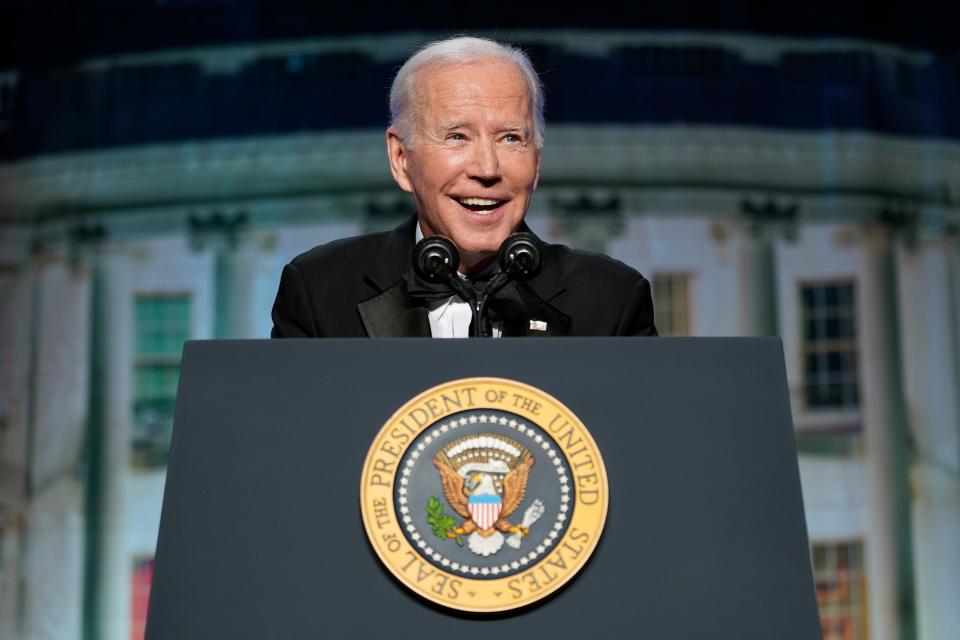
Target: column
{"x":589,"y":222}
{"x":240,"y":267}
{"x":107,"y":587}
{"x":761,"y":222}
{"x":243,"y":268}
{"x":53,"y":519}
{"x":756,"y":267}
{"x":888,"y":545}
{"x":927,"y":274}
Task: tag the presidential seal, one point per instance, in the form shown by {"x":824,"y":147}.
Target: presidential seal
{"x":484,"y":494}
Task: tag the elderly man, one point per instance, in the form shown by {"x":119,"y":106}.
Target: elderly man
{"x":465,"y":142}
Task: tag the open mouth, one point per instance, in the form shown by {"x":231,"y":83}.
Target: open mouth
{"x":479,"y":205}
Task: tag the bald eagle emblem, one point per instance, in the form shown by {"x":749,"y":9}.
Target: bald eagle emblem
{"x":484,"y":479}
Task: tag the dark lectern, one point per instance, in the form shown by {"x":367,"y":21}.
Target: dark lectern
{"x":261,"y":533}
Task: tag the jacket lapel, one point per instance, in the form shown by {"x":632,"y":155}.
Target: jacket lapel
{"x":534,"y":315}
{"x":389,"y":315}
{"x":390,"y":312}
{"x":523,"y":312}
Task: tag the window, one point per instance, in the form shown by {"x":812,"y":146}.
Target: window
{"x":140,"y":596}
{"x":832,"y":67}
{"x":162,"y":324}
{"x":838,"y":576}
{"x":829,"y":345}
{"x":671,"y":303}
{"x":664,"y":61}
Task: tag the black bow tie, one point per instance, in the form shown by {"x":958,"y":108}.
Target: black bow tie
{"x":426,"y":291}
{"x":510,"y":308}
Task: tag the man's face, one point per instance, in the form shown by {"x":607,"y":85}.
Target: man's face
{"x":472,"y":165}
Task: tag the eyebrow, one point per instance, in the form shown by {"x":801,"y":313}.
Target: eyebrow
{"x":447,"y":127}
{"x":450,"y":126}
{"x":516,"y":128}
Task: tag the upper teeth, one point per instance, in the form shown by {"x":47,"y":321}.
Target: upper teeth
{"x":478,"y":202}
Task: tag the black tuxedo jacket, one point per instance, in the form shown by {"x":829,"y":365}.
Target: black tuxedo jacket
{"x":356,"y":287}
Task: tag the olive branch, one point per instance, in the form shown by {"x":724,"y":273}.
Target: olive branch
{"x":443,"y":524}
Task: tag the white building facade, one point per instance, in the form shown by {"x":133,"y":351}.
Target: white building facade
{"x":844,"y":244}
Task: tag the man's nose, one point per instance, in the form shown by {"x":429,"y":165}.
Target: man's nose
{"x":485,"y":164}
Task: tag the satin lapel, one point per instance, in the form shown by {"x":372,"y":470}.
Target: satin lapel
{"x":522,"y":309}
{"x":390,"y":265}
{"x":389,"y":315}
{"x":537,"y":295}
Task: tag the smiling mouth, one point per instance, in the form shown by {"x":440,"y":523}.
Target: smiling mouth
{"x":479,"y":205}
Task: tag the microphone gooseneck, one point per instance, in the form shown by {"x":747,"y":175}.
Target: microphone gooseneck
{"x":519,"y":259}
{"x":435,"y":259}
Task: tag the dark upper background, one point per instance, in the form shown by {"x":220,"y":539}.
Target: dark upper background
{"x":46,"y":33}
{"x":57,"y":105}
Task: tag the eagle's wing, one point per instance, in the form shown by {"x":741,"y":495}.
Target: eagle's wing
{"x":515,"y":487}
{"x":452,"y":483}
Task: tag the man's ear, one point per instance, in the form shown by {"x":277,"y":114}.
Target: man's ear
{"x":397,"y":154}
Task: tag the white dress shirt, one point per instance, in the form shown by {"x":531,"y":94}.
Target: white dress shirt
{"x":450,"y":318}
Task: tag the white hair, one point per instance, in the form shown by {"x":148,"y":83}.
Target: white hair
{"x":460,"y":50}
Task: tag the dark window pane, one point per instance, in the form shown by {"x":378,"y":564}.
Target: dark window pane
{"x":846,"y":328}
{"x":162,"y":326}
{"x":834,"y":362}
{"x":819,"y":557}
{"x":829,"y":344}
{"x":812,"y":366}
{"x":830,"y":295}
{"x":832,"y":326}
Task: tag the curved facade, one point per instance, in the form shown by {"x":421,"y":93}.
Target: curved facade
{"x":767,"y":186}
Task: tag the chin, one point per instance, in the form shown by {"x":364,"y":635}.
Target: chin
{"x":483,"y":241}
{"x":486,"y":246}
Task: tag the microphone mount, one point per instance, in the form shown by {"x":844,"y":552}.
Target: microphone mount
{"x":436,"y":259}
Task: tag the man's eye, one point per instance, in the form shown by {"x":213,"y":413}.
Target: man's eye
{"x":456,"y":137}
{"x":512,"y":137}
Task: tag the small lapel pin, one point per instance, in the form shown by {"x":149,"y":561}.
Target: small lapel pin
{"x":538,"y":325}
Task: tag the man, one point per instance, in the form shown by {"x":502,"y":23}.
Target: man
{"x":465,"y":142}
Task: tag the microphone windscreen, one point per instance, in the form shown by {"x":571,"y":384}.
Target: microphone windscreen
{"x":520,"y":255}
{"x":434,"y":258}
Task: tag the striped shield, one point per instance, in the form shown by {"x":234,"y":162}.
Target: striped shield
{"x":484,"y":510}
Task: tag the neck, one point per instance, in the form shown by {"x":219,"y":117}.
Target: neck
{"x":472,"y":264}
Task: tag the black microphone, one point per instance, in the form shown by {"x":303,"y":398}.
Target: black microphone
{"x":519,"y":259}
{"x":435,"y":259}
{"x":520,"y":255}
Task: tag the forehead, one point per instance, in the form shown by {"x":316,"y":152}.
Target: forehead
{"x":486,"y":87}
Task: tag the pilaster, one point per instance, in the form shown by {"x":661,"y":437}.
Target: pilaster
{"x":926,"y":271}
{"x":888,"y":544}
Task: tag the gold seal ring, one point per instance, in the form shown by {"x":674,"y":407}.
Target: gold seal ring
{"x":484,"y":494}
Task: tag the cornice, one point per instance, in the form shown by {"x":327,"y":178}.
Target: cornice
{"x":772,"y":180}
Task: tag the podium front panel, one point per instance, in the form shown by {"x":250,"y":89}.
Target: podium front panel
{"x":261,"y":533}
